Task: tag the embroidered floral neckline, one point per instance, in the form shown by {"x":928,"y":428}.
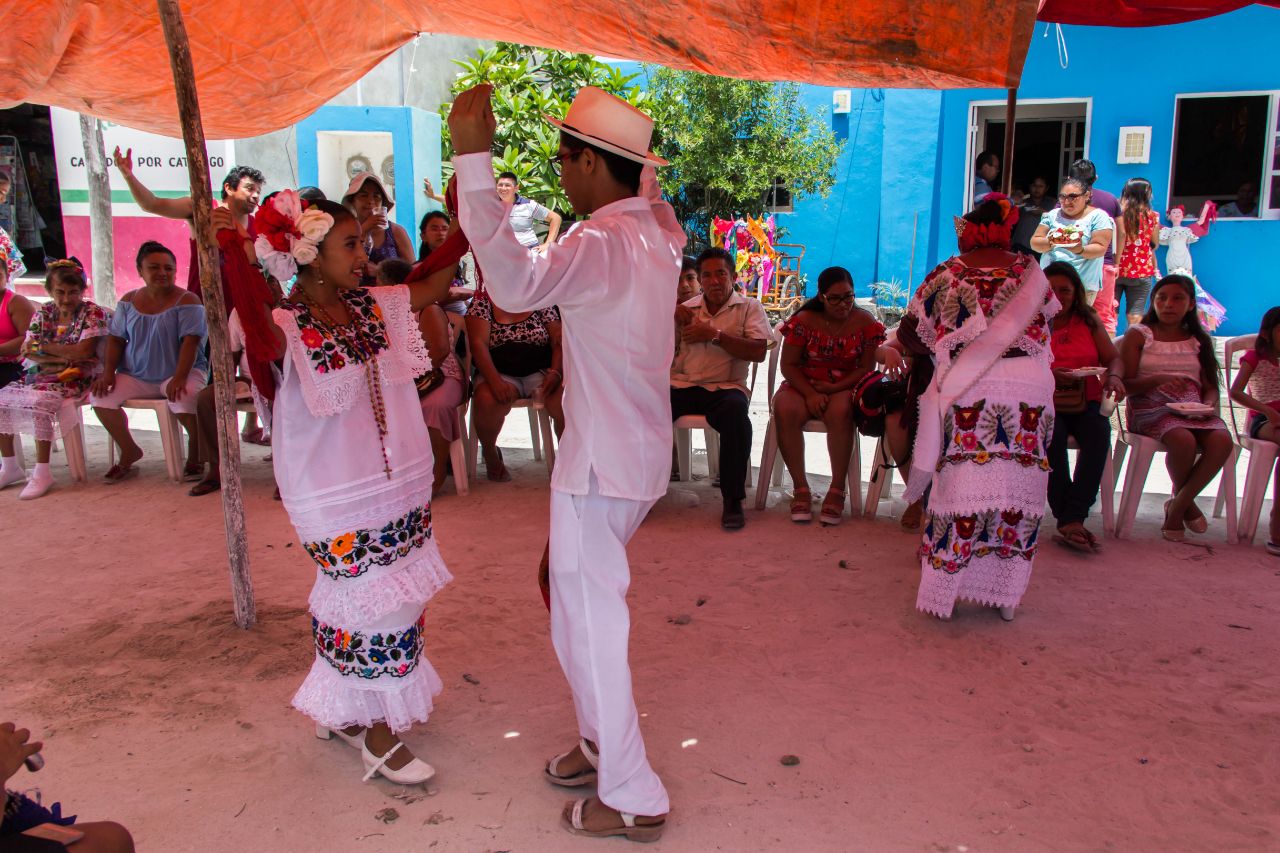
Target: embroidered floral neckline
{"x":328,"y":352}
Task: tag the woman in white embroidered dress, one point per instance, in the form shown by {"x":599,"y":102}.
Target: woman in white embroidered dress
{"x":986,"y":418}
{"x":353,"y":462}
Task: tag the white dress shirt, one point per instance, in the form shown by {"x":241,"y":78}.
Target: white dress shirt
{"x":614,"y":280}
{"x":710,"y":365}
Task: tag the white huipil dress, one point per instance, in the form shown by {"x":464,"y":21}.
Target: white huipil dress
{"x":369,"y":536}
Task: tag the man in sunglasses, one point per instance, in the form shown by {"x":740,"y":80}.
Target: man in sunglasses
{"x":613,"y":277}
{"x":721,"y":333}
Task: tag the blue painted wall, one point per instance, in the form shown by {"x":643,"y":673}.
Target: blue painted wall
{"x":1229,"y":53}
{"x":901,"y":176}
{"x":415,"y":138}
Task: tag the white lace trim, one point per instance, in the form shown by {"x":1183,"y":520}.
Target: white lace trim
{"x":354,"y":506}
{"x":990,"y":581}
{"x":30,"y":411}
{"x":331,"y":393}
{"x":413,"y":579}
{"x":411,"y":358}
{"x":336,"y":702}
{"x":977,"y":323}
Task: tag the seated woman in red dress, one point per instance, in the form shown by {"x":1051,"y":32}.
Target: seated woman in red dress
{"x":829,"y":344}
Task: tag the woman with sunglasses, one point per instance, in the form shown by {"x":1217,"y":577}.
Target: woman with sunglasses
{"x":1077,"y":233}
{"x":828,"y":345}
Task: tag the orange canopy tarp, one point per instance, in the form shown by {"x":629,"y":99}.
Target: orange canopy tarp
{"x":264,"y":65}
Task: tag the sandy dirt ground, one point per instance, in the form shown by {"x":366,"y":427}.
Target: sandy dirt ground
{"x":1133,"y":705}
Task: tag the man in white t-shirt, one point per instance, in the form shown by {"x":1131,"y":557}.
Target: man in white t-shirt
{"x":525,"y":212}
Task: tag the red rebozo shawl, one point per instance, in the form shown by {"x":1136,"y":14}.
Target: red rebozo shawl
{"x":250,"y":294}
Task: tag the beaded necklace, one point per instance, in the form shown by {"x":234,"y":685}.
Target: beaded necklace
{"x":354,"y":335}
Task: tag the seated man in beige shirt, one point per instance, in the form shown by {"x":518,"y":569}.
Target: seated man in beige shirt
{"x":721,"y":333}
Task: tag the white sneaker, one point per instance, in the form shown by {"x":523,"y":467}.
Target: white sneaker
{"x":36,"y":488}
{"x":14,"y":475}
{"x":415,"y":772}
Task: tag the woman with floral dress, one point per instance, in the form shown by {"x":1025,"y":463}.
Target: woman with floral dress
{"x":354,"y":467}
{"x":828,"y":346}
{"x":62,"y":344}
{"x":986,"y":418}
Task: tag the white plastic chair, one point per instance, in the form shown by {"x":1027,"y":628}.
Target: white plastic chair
{"x":171,"y":436}
{"x":1107,"y":490}
{"x":1262,"y":456}
{"x":541,"y":435}
{"x":1135,"y":477}
{"x":882,"y":468}
{"x":769,"y":458}
{"x":684,"y":427}
{"x":71,"y":427}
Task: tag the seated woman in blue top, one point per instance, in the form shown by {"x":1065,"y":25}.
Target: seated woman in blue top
{"x":155,"y":351}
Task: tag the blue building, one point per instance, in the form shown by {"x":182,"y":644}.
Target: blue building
{"x":1198,"y":105}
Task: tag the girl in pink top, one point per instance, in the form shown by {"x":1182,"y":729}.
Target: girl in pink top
{"x":1257,"y":386}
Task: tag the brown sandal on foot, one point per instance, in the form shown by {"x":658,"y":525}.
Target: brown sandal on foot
{"x":577,"y":780}
{"x":801,"y":506}
{"x":832,"y":508}
{"x":632,"y":828}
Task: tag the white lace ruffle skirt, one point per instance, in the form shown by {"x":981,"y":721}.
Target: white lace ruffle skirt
{"x":30,"y":411}
{"x":982,"y":528}
{"x":368,"y":674}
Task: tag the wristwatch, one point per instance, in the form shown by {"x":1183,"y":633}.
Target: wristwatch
{"x":716,"y":338}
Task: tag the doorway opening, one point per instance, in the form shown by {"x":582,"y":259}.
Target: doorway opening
{"x":1050,"y":136}
{"x":32,"y":212}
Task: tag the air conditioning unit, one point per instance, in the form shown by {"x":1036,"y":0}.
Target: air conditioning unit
{"x":841,"y":101}
{"x":1134,"y":146}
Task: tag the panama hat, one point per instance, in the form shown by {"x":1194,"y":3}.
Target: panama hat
{"x":359,"y":181}
{"x":610,"y":123}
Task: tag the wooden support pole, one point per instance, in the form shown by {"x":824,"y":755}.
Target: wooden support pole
{"x":184,"y":81}
{"x":100,"y":236}
{"x":1006,"y":162}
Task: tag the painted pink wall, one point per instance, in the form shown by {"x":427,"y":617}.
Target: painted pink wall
{"x":130,"y":232}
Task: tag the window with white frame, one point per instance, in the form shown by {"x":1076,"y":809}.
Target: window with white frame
{"x":1226,"y":149}
{"x":778,"y":199}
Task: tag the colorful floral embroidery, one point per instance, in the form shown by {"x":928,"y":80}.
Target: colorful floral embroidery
{"x":950,"y":542}
{"x":353,"y":653}
{"x":980,"y":433}
{"x":328,"y":352}
{"x":352,"y":554}
{"x":954,"y":294}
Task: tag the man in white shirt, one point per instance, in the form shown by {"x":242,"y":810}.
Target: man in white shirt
{"x":721,"y":333}
{"x":614,"y":279}
{"x":524,"y":212}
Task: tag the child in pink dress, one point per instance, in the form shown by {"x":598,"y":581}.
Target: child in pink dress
{"x":1257,"y":386}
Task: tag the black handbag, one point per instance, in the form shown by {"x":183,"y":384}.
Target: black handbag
{"x":875,"y":397}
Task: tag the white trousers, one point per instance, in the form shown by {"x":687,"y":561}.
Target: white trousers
{"x":590,"y":628}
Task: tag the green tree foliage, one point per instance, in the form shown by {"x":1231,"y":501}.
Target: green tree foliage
{"x":729,"y":140}
{"x":530,"y":83}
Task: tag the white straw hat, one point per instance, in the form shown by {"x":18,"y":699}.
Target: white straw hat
{"x":610,"y":123}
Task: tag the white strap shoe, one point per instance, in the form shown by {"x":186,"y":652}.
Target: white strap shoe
{"x":356,"y":740}
{"x":415,"y":772}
